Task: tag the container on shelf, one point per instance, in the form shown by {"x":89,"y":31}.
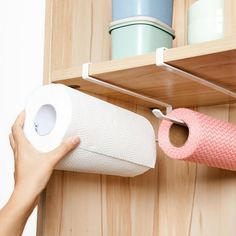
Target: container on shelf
{"x":160,"y":9}
{"x":139,"y":35}
{"x":205,"y":21}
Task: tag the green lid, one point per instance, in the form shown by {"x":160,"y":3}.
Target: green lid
{"x":143,"y":20}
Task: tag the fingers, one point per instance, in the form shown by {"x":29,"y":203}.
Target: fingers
{"x":17,"y":131}
{"x":20,"y":119}
{"x":66,"y":146}
{"x":12,"y":142}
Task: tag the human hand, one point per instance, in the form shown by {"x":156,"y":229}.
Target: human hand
{"x":32,"y":172}
{"x":32,"y":168}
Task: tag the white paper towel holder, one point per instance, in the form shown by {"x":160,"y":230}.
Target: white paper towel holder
{"x":159,"y":63}
{"x":156,"y":112}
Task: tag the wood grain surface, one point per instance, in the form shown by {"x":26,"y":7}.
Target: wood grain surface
{"x":174,"y":199}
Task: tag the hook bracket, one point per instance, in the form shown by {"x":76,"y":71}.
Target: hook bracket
{"x":160,"y":63}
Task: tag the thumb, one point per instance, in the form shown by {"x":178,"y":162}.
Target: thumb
{"x":65,"y":147}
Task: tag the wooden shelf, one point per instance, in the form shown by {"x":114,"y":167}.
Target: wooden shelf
{"x":214,"y":61}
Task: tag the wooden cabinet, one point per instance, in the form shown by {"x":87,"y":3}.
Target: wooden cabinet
{"x":174,"y":199}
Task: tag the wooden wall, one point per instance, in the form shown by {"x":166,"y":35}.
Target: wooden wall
{"x":174,"y":199}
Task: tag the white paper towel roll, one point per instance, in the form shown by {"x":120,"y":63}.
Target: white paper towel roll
{"x":113,"y":140}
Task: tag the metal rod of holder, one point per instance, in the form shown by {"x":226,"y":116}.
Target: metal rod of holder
{"x":161,"y":116}
{"x":86,"y":76}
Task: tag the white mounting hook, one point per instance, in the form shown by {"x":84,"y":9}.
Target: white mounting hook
{"x":160,"y":62}
{"x":160,"y":115}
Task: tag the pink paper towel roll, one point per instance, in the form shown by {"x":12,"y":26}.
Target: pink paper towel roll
{"x":207,"y":140}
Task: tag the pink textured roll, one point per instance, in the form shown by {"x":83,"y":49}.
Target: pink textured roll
{"x":210,"y":141}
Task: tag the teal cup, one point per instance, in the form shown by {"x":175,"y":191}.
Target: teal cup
{"x":139,"y":35}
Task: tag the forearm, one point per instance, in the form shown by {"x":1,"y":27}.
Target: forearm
{"x":14,"y":215}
